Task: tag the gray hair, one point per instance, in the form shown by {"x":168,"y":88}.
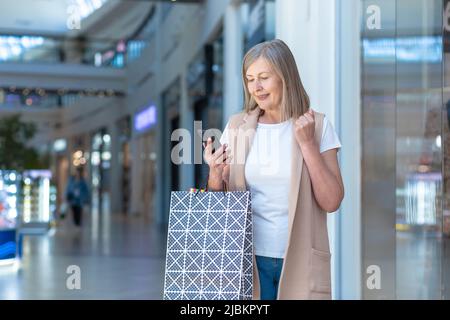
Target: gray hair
{"x":295,"y":100}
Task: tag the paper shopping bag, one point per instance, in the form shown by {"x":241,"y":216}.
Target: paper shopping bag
{"x":209,"y":246}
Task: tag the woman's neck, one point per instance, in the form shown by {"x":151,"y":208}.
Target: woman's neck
{"x":270,"y":117}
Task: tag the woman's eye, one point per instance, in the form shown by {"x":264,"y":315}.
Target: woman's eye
{"x":250,"y":80}
{"x":264,"y":78}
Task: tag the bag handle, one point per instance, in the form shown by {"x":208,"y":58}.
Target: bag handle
{"x":224,"y":187}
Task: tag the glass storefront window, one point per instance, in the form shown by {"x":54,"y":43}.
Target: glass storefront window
{"x":99,"y":53}
{"x":100,"y":171}
{"x":260,"y":26}
{"x":403,"y":149}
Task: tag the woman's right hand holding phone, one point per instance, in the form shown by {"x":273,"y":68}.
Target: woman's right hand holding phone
{"x":218,"y":162}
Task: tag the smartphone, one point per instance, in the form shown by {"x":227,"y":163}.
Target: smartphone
{"x":213,"y":139}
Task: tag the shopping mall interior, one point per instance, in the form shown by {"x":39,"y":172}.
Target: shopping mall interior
{"x":96,"y":88}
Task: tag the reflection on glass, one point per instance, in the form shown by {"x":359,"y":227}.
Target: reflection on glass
{"x":408,"y":49}
{"x":421,"y":192}
{"x":418,"y":158}
{"x":378,"y":150}
{"x":404,"y":143}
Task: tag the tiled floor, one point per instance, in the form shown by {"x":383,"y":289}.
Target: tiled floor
{"x":118,"y":257}
{"x":123,"y":258}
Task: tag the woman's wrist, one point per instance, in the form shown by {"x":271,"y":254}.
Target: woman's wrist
{"x":214,"y":180}
{"x":308,"y":145}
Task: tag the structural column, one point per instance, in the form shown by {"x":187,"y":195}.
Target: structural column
{"x":187,"y":179}
{"x":233,"y":47}
{"x":115,"y":171}
{"x":308,"y":28}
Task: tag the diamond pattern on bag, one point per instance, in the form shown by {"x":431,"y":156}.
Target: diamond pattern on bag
{"x":175,"y":240}
{"x":179,"y":202}
{"x":236,"y":200}
{"x":232,"y":263}
{"x":174,"y":263}
{"x":217,"y":202}
{"x":193,"y":262}
{"x":200,"y":201}
{"x":231,"y":281}
{"x":214,"y":241}
{"x":178,"y":222}
{"x":194,"y":241}
{"x":217,"y":220}
{"x":175,"y":281}
{"x":211,"y":262}
{"x":192,"y":283}
{"x":197,"y":221}
{"x":209,"y":246}
{"x":233,"y":239}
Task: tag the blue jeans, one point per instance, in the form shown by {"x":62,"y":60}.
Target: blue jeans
{"x":269,"y":271}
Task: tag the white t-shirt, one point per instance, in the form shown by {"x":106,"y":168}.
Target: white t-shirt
{"x":267,"y":174}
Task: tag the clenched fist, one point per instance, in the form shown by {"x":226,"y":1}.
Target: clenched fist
{"x":304,"y":128}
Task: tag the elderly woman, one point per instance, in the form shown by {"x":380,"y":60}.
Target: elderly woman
{"x":286,"y":155}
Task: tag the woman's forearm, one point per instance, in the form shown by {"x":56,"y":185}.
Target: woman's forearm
{"x":327,"y":190}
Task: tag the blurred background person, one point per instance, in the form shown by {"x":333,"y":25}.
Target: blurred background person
{"x":77,"y":195}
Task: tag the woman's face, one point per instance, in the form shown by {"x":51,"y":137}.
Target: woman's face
{"x":264,"y":85}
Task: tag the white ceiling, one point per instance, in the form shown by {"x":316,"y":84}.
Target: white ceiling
{"x":116,"y":19}
{"x":35,"y":16}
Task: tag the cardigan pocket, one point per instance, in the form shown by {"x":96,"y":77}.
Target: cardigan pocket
{"x":320,"y":273}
